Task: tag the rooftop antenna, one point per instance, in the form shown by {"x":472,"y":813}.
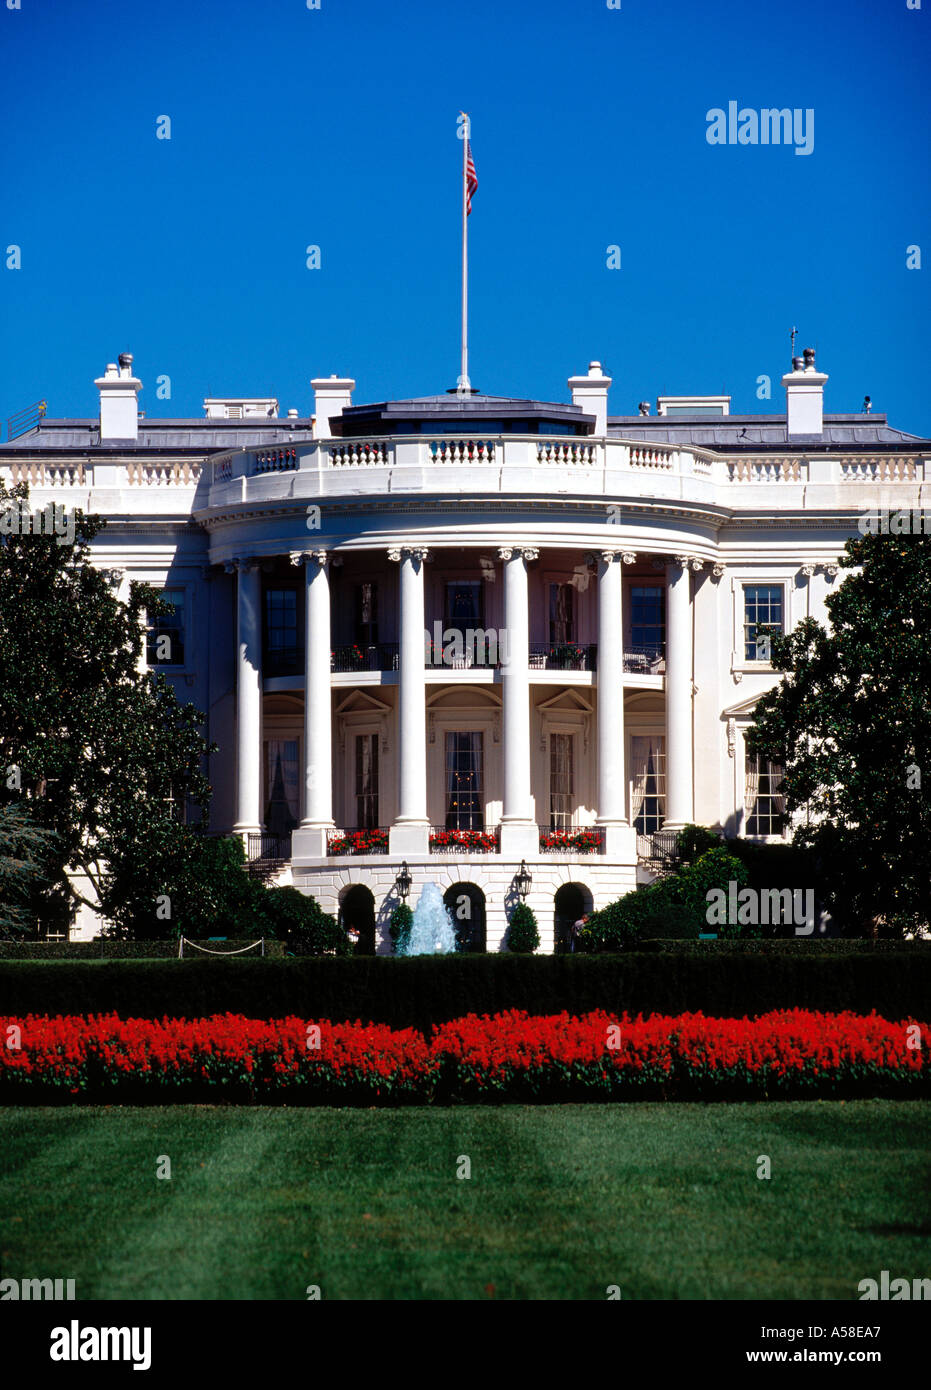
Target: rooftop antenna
{"x":794,"y":336}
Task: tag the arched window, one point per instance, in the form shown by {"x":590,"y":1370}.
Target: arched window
{"x":466,"y":903}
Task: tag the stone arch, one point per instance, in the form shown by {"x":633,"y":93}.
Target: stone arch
{"x":570,"y":902}
{"x":357,"y":913}
{"x":466,"y":903}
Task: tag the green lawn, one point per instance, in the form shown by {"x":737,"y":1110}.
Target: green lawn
{"x":662,"y":1199}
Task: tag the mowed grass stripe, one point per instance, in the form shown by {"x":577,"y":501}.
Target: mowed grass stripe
{"x":662,"y":1200}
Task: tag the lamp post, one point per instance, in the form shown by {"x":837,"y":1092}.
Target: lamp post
{"x":403,"y":881}
{"x":522,"y":880}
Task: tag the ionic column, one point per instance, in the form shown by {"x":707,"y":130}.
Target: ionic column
{"x":612,"y":793}
{"x":248,"y":697}
{"x":410,"y":832}
{"x":519,"y":835}
{"x":309,"y":839}
{"x":678,"y":694}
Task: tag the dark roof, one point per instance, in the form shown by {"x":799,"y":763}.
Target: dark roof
{"x":451,"y":411}
{"x":196,"y":435}
{"x":751,"y":431}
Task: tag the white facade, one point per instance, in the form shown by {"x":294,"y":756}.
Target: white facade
{"x":613,"y":573}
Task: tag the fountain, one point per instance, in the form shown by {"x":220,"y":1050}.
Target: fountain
{"x":432,"y":931}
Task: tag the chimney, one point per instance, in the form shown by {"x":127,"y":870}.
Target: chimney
{"x":591,"y":393}
{"x":119,"y":408}
{"x":332,"y":395}
{"x":804,"y":397}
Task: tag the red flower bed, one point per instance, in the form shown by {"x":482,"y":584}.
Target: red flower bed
{"x":485,"y":841}
{"x":508,"y":1056}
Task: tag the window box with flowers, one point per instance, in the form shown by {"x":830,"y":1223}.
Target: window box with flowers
{"x":358,"y":842}
{"x":571,"y":841}
{"x":567,"y":657}
{"x":478,"y":841}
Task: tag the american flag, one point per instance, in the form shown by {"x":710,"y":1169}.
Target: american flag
{"x":471,"y":178}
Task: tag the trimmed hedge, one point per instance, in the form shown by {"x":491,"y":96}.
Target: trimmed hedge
{"x":105,"y":949}
{"x":420,"y":990}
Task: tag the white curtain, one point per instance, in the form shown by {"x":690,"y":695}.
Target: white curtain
{"x":753,"y":785}
{"x":647,"y":766}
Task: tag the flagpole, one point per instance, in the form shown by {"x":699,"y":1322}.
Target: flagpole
{"x":464,"y":374}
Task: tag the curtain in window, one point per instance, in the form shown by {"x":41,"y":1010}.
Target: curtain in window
{"x":283,"y":805}
{"x":753,"y":785}
{"x":648,"y":782}
{"x":562,"y":628}
{"x":779,"y":802}
{"x":561,"y":781}
{"x":465,"y":808}
{"x":366,"y":781}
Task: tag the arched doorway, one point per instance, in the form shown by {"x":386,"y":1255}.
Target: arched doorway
{"x":570,"y":902}
{"x":357,"y":913}
{"x":466,"y":903}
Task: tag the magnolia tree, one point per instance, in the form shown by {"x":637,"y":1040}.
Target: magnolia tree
{"x":851,"y":724}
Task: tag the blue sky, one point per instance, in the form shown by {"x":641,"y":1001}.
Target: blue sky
{"x":337,"y":127}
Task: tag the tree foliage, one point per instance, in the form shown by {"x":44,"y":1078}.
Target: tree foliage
{"x":851,"y":724}
{"x":101,"y":754}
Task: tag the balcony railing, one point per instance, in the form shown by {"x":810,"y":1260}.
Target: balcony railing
{"x":265,"y":850}
{"x":371,"y":841}
{"x":644,"y":660}
{"x":275,"y":460}
{"x":476,"y":648}
{"x":446,"y":841}
{"x":562,"y":656}
{"x":574,"y":840}
{"x":378,"y":656}
{"x":658,"y":851}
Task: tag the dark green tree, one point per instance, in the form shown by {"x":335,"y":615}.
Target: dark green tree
{"x":851,"y":724}
{"x":101,"y":754}
{"x":24,"y":848}
{"x":523,"y":933}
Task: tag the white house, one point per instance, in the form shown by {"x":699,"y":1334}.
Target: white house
{"x":489,"y":633}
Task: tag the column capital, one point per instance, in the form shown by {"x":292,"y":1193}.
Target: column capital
{"x":716,"y":571}
{"x":697,"y":565}
{"x":681,"y":560}
{"x":831,"y":571}
{"x":306,"y":557}
{"x":807,"y":571}
{"x":414,"y":552}
{"x":524,"y":552}
{"x":628,"y":557}
{"x":242,"y":563}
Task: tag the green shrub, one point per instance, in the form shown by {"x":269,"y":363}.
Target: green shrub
{"x":720,"y":978}
{"x":693,"y":841}
{"x":715,"y":869}
{"x":523,"y":933}
{"x":399,"y":928}
{"x":302,"y":924}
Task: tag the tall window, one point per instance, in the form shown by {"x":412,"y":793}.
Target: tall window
{"x":648,"y":782}
{"x":465,"y":801}
{"x":762,"y":617}
{"x":280,"y":626}
{"x":464,"y":606}
{"x":763,"y":800}
{"x":562,"y":780}
{"x":366,"y":781}
{"x":165,"y":637}
{"x":282,"y":785}
{"x":366,"y":615}
{"x":562,"y":614}
{"x":647,"y":618}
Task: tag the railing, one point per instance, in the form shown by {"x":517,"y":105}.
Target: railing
{"x":644,"y":660}
{"x":582,"y":840}
{"x":48,"y":474}
{"x":447,"y":841}
{"x":765,"y":470}
{"x":275,"y":460}
{"x":26,"y":419}
{"x":477,"y":648}
{"x":568,"y":656}
{"x":263,"y":847}
{"x":359,"y":452}
{"x":370,"y":841}
{"x":653,"y":459}
{"x":567,"y":451}
{"x":223,"y":470}
{"x":155,"y":473}
{"x":462,"y":450}
{"x":882,"y":469}
{"x":380,"y":656}
{"x":658,"y":851}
